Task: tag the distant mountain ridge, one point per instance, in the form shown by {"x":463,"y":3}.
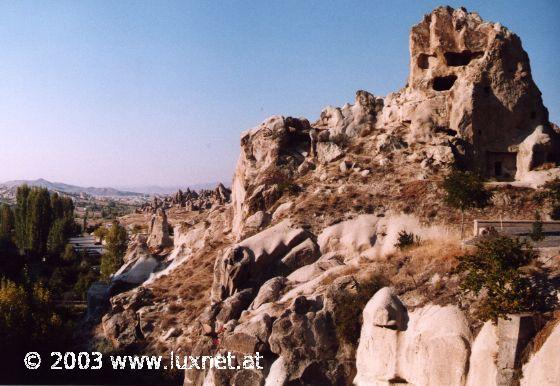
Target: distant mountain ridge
{"x":156,"y":189}
{"x":66,"y":188}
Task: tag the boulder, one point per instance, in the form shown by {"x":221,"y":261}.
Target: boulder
{"x":122,"y":329}
{"x":305,"y":338}
{"x":282,"y":210}
{"x":328,"y":152}
{"x":303,"y":254}
{"x":232,"y":307}
{"x":270,"y":291}
{"x":351,"y":236}
{"x":533,"y":151}
{"x":254,"y":260}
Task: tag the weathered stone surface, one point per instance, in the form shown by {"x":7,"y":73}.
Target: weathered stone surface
{"x":282,"y":210}
{"x":277,"y":140}
{"x":232,"y":307}
{"x":542,"y":367}
{"x":304,"y":336}
{"x":351,"y":236}
{"x":482,"y":363}
{"x":432,"y":348}
{"x":328,"y":152}
{"x":136,"y":271}
{"x":159,"y":231}
{"x":253,"y":261}
{"x":351,"y":120}
{"x":303,"y":254}
{"x":269,"y":292}
{"x":278,"y":375}
{"x":471,"y":80}
{"x":122,"y":329}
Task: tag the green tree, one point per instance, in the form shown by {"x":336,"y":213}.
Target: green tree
{"x":116,"y":240}
{"x":57,"y":206}
{"x":7,"y":223}
{"x":551,"y":192}
{"x":22,"y":196}
{"x":39,"y":220}
{"x":27,"y":316}
{"x":100,"y":232}
{"x":498,"y":272}
{"x":115,"y":248}
{"x":465,"y":190}
{"x":57,"y":237}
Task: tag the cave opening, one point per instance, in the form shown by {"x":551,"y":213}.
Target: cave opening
{"x":457,"y":59}
{"x":442,"y":83}
{"x":423,"y":61}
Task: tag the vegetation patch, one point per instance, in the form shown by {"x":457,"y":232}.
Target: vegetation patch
{"x":500,"y":276}
{"x":350,"y":305}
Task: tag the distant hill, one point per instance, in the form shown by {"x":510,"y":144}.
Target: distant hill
{"x":156,"y":189}
{"x":66,"y":188}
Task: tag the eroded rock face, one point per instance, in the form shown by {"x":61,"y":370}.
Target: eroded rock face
{"x":253,"y":261}
{"x":159,"y":231}
{"x":429,"y":346}
{"x":542,"y":367}
{"x":278,"y":140}
{"x":472,"y":80}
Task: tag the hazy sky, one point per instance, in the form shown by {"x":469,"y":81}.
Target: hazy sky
{"x":157,"y":92}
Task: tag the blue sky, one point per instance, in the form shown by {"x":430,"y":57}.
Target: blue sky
{"x":156,"y":92}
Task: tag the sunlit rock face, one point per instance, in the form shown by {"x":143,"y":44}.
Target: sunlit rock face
{"x":472,"y":79}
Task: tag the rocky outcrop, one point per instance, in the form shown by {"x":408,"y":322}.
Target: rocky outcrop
{"x":471,"y":79}
{"x":433,"y":345}
{"x":351,"y":120}
{"x":204,"y":199}
{"x":411,"y":347}
{"x":258,"y":178}
{"x":313,"y":206}
{"x":251,"y":262}
{"x":158,"y":233}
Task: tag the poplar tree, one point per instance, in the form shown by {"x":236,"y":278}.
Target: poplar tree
{"x":22,"y":196}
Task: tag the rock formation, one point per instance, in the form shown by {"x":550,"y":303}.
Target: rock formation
{"x":316,"y":210}
{"x":202,"y":200}
{"x":158,"y":233}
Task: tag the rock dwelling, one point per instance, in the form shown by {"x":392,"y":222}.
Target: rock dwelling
{"x":316,"y":209}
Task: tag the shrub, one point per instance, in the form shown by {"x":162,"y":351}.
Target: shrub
{"x":551,"y":192}
{"x":498,"y":271}
{"x":406,"y":240}
{"x":465,"y":190}
{"x":349,"y":307}
{"x":110,"y":263}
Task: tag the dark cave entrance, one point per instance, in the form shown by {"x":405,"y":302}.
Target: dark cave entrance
{"x":443,"y":83}
{"x":457,"y":59}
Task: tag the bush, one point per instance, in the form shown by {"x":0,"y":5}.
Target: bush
{"x":349,"y":308}
{"x":465,"y":190}
{"x":109,"y":265}
{"x":406,"y":240}
{"x":498,"y":271}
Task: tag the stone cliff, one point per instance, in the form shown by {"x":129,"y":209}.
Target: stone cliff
{"x":307,"y":244}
